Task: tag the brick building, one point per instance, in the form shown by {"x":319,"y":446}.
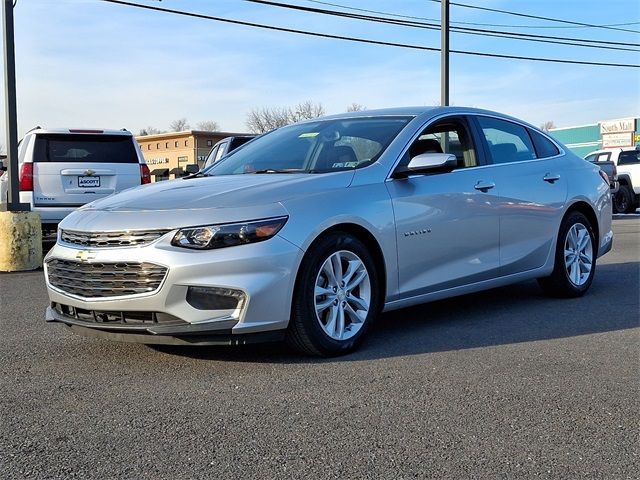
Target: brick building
{"x":168,"y":154}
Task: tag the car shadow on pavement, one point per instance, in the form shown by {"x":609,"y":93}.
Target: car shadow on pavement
{"x":514,"y":314}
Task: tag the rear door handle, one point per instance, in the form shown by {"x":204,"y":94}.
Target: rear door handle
{"x":484,"y":186}
{"x":551,"y":178}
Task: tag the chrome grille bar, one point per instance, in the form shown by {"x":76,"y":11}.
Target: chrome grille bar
{"x":128,"y":238}
{"x":102,"y":279}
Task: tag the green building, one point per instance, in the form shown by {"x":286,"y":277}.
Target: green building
{"x":581,"y":140}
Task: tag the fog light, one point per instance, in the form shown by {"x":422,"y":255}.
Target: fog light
{"x":214,"y":298}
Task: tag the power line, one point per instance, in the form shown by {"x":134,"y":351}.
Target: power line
{"x":548,"y":19}
{"x":363,"y":40}
{"x":570,"y":41}
{"x":348,"y":7}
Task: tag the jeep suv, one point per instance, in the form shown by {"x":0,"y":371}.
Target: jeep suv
{"x":225,"y":146}
{"x":62,"y":169}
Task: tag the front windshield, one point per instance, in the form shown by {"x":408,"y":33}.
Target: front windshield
{"x":314,"y":147}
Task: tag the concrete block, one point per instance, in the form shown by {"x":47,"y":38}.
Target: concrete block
{"x":20,"y":241}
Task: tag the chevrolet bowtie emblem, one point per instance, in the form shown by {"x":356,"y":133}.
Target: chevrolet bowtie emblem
{"x":85,"y":255}
{"x":90,"y":172}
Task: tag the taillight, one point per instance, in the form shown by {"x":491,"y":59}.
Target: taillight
{"x":26,"y":177}
{"x":145,"y":174}
{"x":604,"y":177}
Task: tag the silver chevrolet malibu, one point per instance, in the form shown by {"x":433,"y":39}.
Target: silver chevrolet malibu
{"x":309,"y":232}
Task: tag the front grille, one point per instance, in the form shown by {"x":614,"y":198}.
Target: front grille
{"x":132,"y":238}
{"x":101,"y":279}
{"x":116,"y":318}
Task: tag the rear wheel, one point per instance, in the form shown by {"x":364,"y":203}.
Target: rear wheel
{"x":336,"y":297}
{"x":623,"y":200}
{"x":575,"y":258}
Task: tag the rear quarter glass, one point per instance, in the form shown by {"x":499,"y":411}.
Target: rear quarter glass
{"x":83,"y":148}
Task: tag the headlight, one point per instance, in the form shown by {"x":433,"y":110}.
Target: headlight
{"x":228,"y":235}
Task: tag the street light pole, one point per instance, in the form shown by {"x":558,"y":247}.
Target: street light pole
{"x":13,"y":204}
{"x":444,"y":54}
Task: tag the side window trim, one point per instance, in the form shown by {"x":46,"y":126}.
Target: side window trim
{"x":482,"y":148}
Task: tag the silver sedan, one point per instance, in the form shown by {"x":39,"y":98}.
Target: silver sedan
{"x":309,"y":232}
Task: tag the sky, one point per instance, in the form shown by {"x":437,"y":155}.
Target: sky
{"x":88,"y":63}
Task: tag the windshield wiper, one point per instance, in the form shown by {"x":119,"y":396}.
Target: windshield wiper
{"x":280,"y":170}
{"x":196,"y":175}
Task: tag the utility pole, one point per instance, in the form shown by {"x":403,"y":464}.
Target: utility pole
{"x":444,"y":54}
{"x":13,"y":205}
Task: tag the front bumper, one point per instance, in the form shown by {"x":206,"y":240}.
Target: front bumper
{"x":264,"y":272}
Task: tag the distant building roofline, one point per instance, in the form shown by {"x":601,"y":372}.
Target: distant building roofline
{"x":185,"y":133}
{"x":575,"y":126}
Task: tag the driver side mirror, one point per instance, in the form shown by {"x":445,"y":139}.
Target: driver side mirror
{"x":428,"y":163}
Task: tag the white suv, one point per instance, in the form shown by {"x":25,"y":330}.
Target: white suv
{"x":62,"y":169}
{"x":627,"y":162}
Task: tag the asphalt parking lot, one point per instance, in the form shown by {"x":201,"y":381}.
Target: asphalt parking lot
{"x":501,"y":384}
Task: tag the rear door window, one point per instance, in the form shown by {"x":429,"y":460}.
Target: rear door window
{"x":508,"y":142}
{"x":63,"y":148}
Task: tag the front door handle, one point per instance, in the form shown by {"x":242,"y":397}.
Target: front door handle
{"x":484,"y":186}
{"x":551,"y":178}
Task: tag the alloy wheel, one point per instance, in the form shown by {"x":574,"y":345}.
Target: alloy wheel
{"x":342,"y":296}
{"x":578,"y":254}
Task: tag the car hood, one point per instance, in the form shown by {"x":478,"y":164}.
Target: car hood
{"x":198,"y":201}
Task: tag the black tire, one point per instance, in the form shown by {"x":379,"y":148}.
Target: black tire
{"x":558,"y":284}
{"x":623,"y":200}
{"x":305,"y":332}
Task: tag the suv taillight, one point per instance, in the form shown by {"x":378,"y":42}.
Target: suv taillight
{"x":26,"y":177}
{"x":145,"y":174}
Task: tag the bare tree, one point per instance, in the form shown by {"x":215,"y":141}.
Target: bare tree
{"x":305,"y":111}
{"x":548,"y":125}
{"x":260,"y":120}
{"x":356,"y":107}
{"x":149,"y":131}
{"x":179,"y":125}
{"x":208,"y":126}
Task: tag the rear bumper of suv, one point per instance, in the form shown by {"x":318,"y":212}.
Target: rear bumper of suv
{"x":48,"y":214}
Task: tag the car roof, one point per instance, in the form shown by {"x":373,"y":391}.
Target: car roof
{"x":81,"y":131}
{"x":423,"y":111}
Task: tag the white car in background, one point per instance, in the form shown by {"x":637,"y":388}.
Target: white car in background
{"x":63,"y":169}
{"x":626,"y":162}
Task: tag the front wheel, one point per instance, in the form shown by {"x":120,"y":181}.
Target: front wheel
{"x":575,"y":259}
{"x":337,"y":297}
